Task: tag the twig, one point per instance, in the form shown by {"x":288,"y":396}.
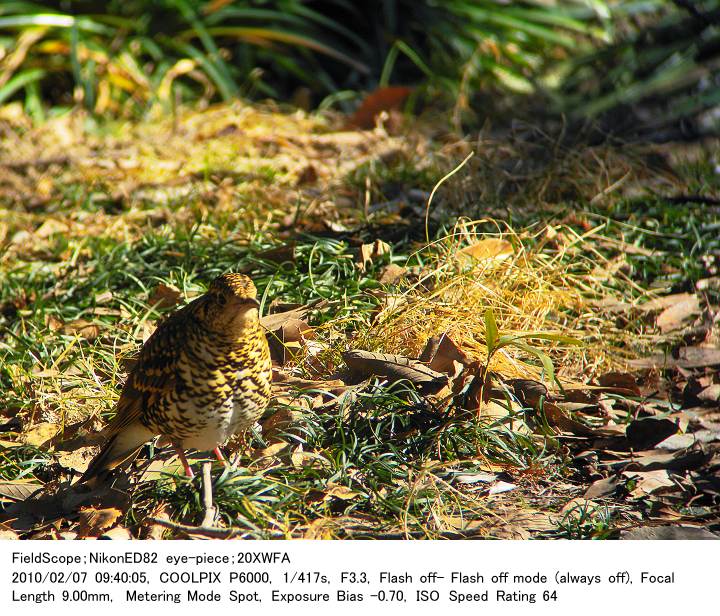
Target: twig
{"x":210,"y":509}
{"x":213,"y":532}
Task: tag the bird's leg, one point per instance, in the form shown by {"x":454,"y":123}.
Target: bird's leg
{"x":181,"y":454}
{"x":221,"y":458}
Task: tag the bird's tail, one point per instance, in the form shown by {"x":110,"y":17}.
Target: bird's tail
{"x":120,"y":447}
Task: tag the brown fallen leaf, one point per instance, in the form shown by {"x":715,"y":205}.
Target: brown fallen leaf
{"x":646,"y":433}
{"x":382,"y":99}
{"x":391,"y":273}
{"x":79,"y":459}
{"x":370,"y":253}
{"x":83,"y":328}
{"x":529,"y":392}
{"x":558,"y":419}
{"x":675,"y":316}
{"x":622,"y":381}
{"x":395,"y":368}
{"x":119,"y":533}
{"x":650,"y":482}
{"x":94,"y":521}
{"x":19,"y":489}
{"x":165,"y":296}
{"x":340,"y":492}
{"x":441,"y":353}
{"x":272,"y":322}
{"x":40,"y":434}
{"x":602,"y":488}
{"x":669,"y":532}
{"x":677,"y":461}
{"x":688,"y":357}
{"x":487,"y":249}
{"x":275,"y":426}
{"x":7,"y":533}
{"x":666,"y":301}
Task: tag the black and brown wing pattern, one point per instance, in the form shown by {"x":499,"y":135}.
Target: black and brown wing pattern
{"x":153,"y":377}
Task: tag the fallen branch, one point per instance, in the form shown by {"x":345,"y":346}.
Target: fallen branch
{"x":213,"y":532}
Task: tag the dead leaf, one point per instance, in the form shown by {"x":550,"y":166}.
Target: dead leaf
{"x":94,"y":521}
{"x":650,"y":482}
{"x":340,"y":492}
{"x":487,"y":249}
{"x":395,"y":368}
{"x":391,"y":273}
{"x":371,"y":252}
{"x":679,"y":461}
{"x":622,"y":381}
{"x":53,"y":323}
{"x":674,"y":317}
{"x":40,"y":434}
{"x":119,"y":532}
{"x":275,"y":426}
{"x":83,"y":328}
{"x":520,"y":524}
{"x":165,"y":296}
{"x":558,"y":419}
{"x":710,"y":394}
{"x":272,"y":322}
{"x":666,"y":301}
{"x":78,"y":459}
{"x":500,"y":487}
{"x":382,"y":99}
{"x":307,"y":175}
{"x":7,"y":533}
{"x":602,"y":488}
{"x":669,"y":532}
{"x":50,"y":227}
{"x":440,"y":353}
{"x":19,"y":489}
{"x":646,"y":433}
{"x":688,"y":357}
{"x":529,"y":392}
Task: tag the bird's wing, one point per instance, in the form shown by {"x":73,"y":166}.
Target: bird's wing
{"x":154,"y":374}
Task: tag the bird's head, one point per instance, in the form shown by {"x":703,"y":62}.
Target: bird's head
{"x":230,"y":304}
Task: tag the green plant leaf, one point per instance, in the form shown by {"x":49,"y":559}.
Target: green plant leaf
{"x":491,"y":332}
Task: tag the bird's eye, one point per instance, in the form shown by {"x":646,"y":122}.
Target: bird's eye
{"x":222,"y":300}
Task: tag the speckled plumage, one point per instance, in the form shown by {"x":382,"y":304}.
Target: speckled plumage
{"x":203,"y":376}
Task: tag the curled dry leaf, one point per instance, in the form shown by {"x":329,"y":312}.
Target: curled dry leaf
{"x":529,"y":392}
{"x":622,"y":381}
{"x":395,"y":368}
{"x":371,"y":252}
{"x":94,"y":521}
{"x":165,"y":296}
{"x":441,"y":353}
{"x":382,"y":99}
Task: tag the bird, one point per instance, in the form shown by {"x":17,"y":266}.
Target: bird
{"x":202,"y":376}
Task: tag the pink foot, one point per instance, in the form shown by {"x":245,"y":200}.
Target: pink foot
{"x":219,"y":455}
{"x":183,"y":459}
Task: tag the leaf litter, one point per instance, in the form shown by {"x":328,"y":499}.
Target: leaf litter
{"x":639,"y":425}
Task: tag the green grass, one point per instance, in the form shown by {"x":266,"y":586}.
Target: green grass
{"x":384,"y":458}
